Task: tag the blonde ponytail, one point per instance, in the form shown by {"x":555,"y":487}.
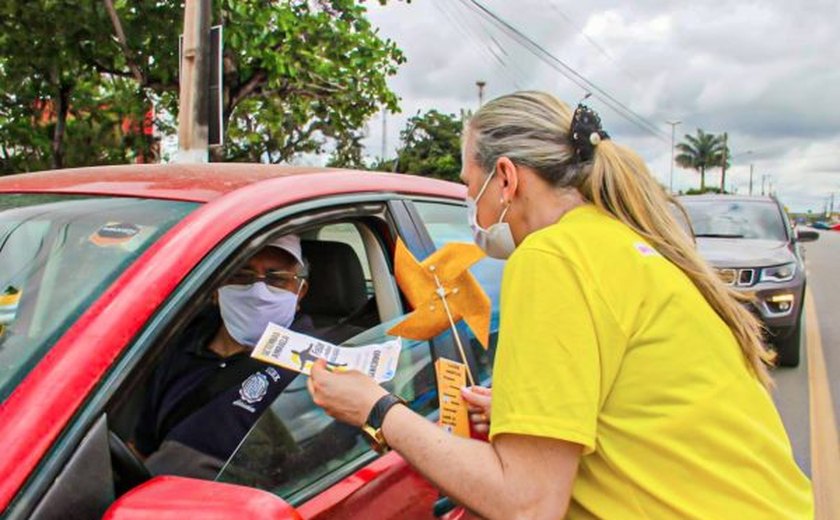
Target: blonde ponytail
{"x":620,"y":183}
{"x":532,"y":129}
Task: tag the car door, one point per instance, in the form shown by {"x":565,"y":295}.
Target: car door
{"x":320,"y":466}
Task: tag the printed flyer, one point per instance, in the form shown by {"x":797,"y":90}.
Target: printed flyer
{"x":295,"y":351}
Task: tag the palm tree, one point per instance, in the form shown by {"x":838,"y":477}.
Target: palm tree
{"x":700,"y":152}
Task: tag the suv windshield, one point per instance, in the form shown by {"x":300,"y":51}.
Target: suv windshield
{"x":735,"y":219}
{"x":58,"y":253}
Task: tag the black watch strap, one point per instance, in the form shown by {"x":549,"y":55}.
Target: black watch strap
{"x":377,"y":413}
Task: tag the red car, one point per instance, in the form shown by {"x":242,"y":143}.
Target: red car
{"x":99,"y":267}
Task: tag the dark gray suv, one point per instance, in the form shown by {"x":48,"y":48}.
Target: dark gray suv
{"x":752,"y":245}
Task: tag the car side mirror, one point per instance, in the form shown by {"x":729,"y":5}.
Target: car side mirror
{"x":807,"y":236}
{"x":178,"y":498}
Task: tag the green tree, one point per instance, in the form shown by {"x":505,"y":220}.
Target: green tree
{"x":298,"y":74}
{"x":53,"y":95}
{"x":431,"y":146}
{"x":700,"y":152}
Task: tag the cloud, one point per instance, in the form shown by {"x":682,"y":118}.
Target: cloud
{"x":765,"y":72}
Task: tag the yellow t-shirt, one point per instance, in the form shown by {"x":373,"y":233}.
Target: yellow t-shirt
{"x":605,"y":343}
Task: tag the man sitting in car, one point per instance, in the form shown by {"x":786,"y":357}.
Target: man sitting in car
{"x":207,"y":392}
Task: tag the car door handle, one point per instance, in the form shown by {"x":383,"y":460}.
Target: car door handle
{"x":443,"y":505}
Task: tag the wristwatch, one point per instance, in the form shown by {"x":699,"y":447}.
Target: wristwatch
{"x":372,"y":429}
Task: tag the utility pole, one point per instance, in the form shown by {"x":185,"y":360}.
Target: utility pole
{"x":723,"y":165}
{"x":384,"y":132}
{"x":480,"y":84}
{"x":193,"y":106}
{"x":673,"y":129}
{"x":751,"y":178}
{"x":763,"y":177}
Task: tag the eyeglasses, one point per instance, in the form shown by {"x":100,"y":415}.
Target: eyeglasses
{"x":278,"y":279}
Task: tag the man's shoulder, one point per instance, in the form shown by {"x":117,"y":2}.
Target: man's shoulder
{"x":303,"y":324}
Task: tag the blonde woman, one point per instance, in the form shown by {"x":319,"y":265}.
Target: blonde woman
{"x":629,"y":382}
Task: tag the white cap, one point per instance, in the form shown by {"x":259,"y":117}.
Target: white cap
{"x":289,"y":244}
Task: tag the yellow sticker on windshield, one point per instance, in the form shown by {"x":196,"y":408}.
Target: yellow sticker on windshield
{"x":9,"y":300}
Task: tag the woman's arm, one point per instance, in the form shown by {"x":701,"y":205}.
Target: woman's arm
{"x":515,"y":476}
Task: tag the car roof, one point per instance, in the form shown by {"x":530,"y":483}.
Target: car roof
{"x":197,"y":182}
{"x":733,"y":198}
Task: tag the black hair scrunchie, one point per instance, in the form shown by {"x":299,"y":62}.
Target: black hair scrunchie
{"x":586,"y":132}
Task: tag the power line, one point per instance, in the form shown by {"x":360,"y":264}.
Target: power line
{"x":591,"y":40}
{"x":511,"y":67}
{"x":462,"y":24}
{"x":567,"y":71}
{"x":464,"y":29}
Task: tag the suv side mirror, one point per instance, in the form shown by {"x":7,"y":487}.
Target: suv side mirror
{"x":178,"y":498}
{"x":807,"y":236}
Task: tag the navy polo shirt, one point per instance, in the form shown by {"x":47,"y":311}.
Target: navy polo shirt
{"x":219,"y":425}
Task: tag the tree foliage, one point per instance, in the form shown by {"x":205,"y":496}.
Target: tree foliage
{"x":54,"y":100}
{"x":431,"y":146}
{"x":298,"y":74}
{"x":700,"y":152}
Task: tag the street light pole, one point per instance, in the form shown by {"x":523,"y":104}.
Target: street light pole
{"x":480,"y":84}
{"x":673,"y":129}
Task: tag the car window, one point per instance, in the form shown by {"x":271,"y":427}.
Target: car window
{"x":58,"y":253}
{"x":735,"y":219}
{"x":295,"y":446}
{"x":446,"y":223}
{"x":348,"y":233}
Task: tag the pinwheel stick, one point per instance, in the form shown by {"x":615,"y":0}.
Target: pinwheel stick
{"x":441,"y":291}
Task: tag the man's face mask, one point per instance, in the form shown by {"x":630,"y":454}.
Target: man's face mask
{"x":247,"y":309}
{"x":497,"y":240}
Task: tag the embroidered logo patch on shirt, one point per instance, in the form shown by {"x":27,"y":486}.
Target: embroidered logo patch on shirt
{"x":254,"y":388}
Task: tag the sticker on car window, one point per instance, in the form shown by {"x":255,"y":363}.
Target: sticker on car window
{"x":124,"y":235}
{"x":295,"y":351}
{"x":9,"y":300}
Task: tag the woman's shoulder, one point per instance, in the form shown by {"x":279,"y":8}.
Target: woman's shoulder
{"x":584,"y":231}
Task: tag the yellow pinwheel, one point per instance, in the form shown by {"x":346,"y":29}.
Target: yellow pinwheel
{"x":442,"y":291}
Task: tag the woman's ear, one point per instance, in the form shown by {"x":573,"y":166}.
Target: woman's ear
{"x":508,"y":177}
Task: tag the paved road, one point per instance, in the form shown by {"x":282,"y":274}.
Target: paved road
{"x":792,"y":385}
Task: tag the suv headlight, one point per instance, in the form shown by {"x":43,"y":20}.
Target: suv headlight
{"x":779,"y":273}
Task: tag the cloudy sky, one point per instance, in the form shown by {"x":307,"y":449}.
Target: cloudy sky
{"x":767,"y":72}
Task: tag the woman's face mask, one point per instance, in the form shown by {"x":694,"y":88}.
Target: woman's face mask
{"x":247,"y":309}
{"x":497,"y":240}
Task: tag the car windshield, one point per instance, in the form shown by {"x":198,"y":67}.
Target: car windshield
{"x":58,"y":253}
{"x":735,"y":219}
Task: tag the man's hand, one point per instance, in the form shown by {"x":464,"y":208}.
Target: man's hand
{"x":348,"y":396}
{"x":478,"y":400}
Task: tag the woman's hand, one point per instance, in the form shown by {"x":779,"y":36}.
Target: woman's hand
{"x":346,"y":396}
{"x":478,"y":400}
